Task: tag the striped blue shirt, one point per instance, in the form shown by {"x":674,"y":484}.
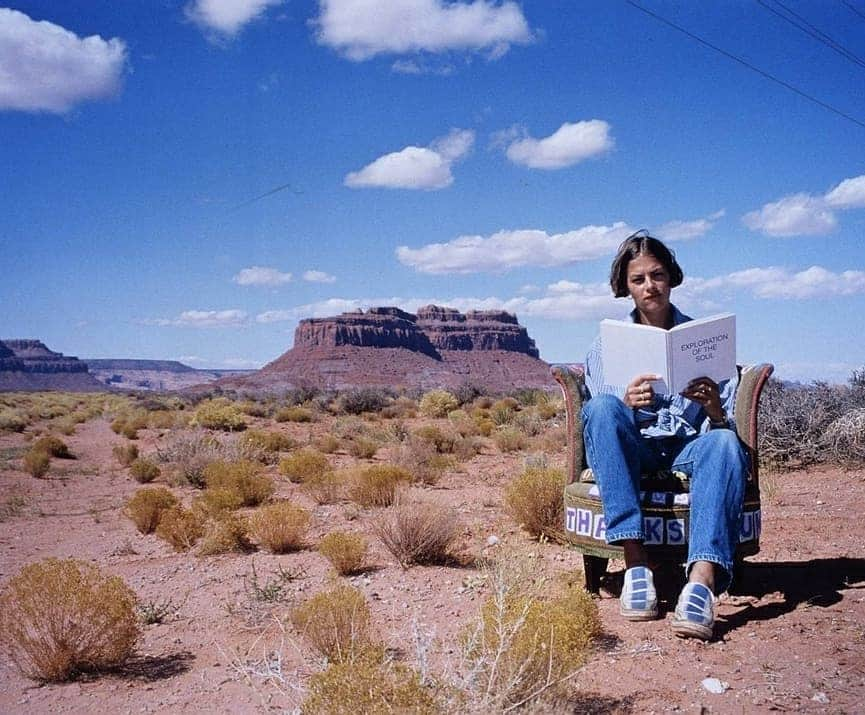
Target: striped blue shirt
{"x":670,"y":415}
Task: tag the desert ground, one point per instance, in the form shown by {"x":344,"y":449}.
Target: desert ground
{"x":219,"y":639}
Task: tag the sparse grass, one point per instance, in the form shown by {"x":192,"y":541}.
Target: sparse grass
{"x":443,"y":442}
{"x":13,"y":504}
{"x":12,"y":420}
{"x":368,"y":683}
{"x":378,"y":485}
{"x":327,"y":487}
{"x":223,"y":534}
{"x":272,"y":590}
{"x":534,"y":500}
{"x":280,"y":527}
{"x":62,"y":617}
{"x":244,"y":478}
{"x":845,"y":438}
{"x":153,"y":612}
{"x":304,"y":464}
{"x":36,"y":462}
{"x":146,"y":506}
{"x":437,"y":403}
{"x":294,"y":414}
{"x":502,"y":411}
{"x":143,"y":471}
{"x":363,"y":448}
{"x":190,"y":455}
{"x":346,"y":552}
{"x":421,"y":459}
{"x":526,"y":645}
{"x":326,"y":443}
{"x":180,"y":527}
{"x":269,"y":444}
{"x":336,"y":623}
{"x":508,"y":439}
{"x":219,"y":414}
{"x":125,"y":453}
{"x":418,"y":532}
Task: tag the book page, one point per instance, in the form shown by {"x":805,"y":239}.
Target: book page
{"x":630,"y":349}
{"x":703,"y":348}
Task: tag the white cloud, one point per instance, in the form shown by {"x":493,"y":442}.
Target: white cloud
{"x":261,"y":276}
{"x":504,"y":250}
{"x":568,"y":145}
{"x":47,"y":68}
{"x":226,"y":17}
{"x":684,"y":230}
{"x":774,"y":282}
{"x":318,"y":277}
{"x":418,"y":67}
{"x":415,"y":167}
{"x":361,"y":29}
{"x":849,"y":194}
{"x":241,"y":363}
{"x":796,"y":215}
{"x":204,"y":319}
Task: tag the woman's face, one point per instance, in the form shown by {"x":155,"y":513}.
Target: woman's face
{"x":649,"y":286}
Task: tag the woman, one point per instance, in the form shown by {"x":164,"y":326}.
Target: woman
{"x":629,"y":430}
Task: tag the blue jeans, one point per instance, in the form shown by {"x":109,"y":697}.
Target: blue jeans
{"x":715,"y":462}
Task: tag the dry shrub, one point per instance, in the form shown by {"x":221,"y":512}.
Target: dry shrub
{"x":326,"y":443}
{"x":219,"y":414}
{"x":345,"y":428}
{"x":12,"y":420}
{"x":418,"y":532}
{"x":254,"y":409}
{"x":346,"y":552}
{"x":146,"y":506}
{"x":437,"y":403}
{"x":143,"y":471}
{"x":244,"y":478}
{"x":464,"y":425}
{"x":191,"y":454}
{"x":529,"y":422}
{"x":363,"y":448}
{"x":378,"y":485}
{"x":336,"y":623}
{"x":510,"y":440}
{"x":217,"y":501}
{"x":484,"y":424}
{"x":280,"y":527}
{"x":62,"y":617}
{"x":421,"y":459}
{"x":535,"y":500}
{"x":53,"y":447}
{"x":443,"y":443}
{"x":125,"y":454}
{"x":36,"y":462}
{"x":554,"y":439}
{"x":327,"y":487}
{"x":845,"y":438}
{"x":180,"y":527}
{"x":502,"y":411}
{"x":294,"y":414}
{"x":223,"y":534}
{"x":356,"y":402}
{"x":268,"y":444}
{"x":525,"y":645}
{"x":368,"y":684}
{"x":304,"y":464}
{"x":402,"y":408}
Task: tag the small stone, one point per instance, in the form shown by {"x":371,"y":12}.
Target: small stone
{"x":492,"y":540}
{"x":713,"y":685}
{"x":821,"y":698}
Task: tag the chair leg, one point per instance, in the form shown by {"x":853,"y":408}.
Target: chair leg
{"x":738,"y":585}
{"x":594,"y":567}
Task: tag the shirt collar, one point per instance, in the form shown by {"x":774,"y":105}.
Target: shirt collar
{"x":678,"y":316}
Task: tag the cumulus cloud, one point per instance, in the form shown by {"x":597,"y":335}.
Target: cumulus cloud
{"x":261,"y":276}
{"x":47,"y":68}
{"x":415,"y":167}
{"x":318,"y":277}
{"x":226,"y":17}
{"x":775,"y":282}
{"x":360,"y":29}
{"x":804,"y":214}
{"x":204,"y":319}
{"x":570,"y":144}
{"x":684,"y":230}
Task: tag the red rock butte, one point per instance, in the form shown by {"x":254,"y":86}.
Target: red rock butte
{"x":437,"y":347}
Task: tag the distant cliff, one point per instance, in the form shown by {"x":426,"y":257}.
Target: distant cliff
{"x":30,"y":365}
{"x":387,"y":346}
{"x":163,"y":375}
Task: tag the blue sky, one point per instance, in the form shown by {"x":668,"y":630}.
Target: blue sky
{"x":473,"y":154}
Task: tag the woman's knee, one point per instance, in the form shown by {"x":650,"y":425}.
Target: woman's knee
{"x":605,"y":409}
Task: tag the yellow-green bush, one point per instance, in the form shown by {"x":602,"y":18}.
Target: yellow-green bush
{"x":327,"y":487}
{"x":36,"y":462}
{"x":421,"y":459}
{"x":225,"y":533}
{"x":502,"y":412}
{"x":346,"y":552}
{"x":336,"y":623}
{"x":219,"y":414}
{"x":443,"y":442}
{"x":368,"y":684}
{"x":362,"y":448}
{"x":146,"y":506}
{"x":326,"y":443}
{"x":12,"y":420}
{"x":304,"y":464}
{"x":534,"y":500}
{"x":143,"y":470}
{"x":53,"y":447}
{"x":294,"y":414}
{"x":271,"y":443}
{"x":437,"y":403}
{"x":62,"y":617}
{"x":180,"y":527}
{"x":378,"y":485}
{"x":244,"y":478}
{"x":280,"y":527}
{"x":126,"y":453}
{"x":510,"y":440}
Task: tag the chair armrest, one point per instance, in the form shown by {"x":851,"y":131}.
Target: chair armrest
{"x":752,"y":378}
{"x":571,"y":379}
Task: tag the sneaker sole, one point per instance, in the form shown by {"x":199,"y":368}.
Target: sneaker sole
{"x":637,"y":614}
{"x":689,"y":629}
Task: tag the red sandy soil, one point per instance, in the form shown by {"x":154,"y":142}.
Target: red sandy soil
{"x":794,"y":642}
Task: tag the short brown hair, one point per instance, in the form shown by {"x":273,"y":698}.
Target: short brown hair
{"x":640,"y":244}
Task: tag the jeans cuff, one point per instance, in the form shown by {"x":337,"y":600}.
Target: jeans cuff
{"x":726,"y":578}
{"x":613,"y":538}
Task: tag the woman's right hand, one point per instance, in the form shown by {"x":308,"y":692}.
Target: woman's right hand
{"x":639,"y":392}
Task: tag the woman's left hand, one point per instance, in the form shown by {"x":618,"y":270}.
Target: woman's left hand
{"x":706,"y":392}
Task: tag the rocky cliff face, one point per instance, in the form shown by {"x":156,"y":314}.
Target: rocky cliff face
{"x":30,"y":365}
{"x":432,"y":330}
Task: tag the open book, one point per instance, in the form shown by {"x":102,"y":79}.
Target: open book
{"x":698,"y":348}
